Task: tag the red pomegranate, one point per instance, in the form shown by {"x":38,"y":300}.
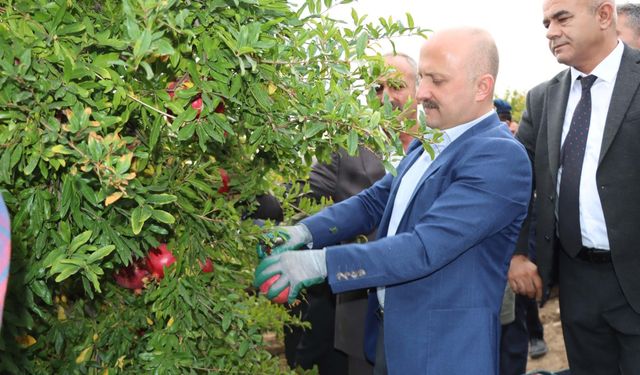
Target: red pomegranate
{"x":132,"y":277}
{"x":207,"y":266}
{"x":159,"y":258}
{"x":224,"y":177}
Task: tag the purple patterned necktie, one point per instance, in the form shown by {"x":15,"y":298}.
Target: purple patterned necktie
{"x":572,"y":157}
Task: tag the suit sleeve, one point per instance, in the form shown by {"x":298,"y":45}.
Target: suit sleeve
{"x":527,"y":136}
{"x":488,"y":193}
{"x":357,"y":215}
{"x":323,"y":178}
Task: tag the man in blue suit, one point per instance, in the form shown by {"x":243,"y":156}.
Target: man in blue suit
{"x":447,"y":224}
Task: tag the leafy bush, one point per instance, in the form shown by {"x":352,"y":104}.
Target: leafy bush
{"x":118,"y":123}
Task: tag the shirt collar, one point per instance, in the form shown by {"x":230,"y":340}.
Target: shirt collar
{"x":451,"y":134}
{"x":607,"y":70}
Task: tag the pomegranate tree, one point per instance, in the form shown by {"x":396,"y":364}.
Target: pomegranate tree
{"x":94,"y":175}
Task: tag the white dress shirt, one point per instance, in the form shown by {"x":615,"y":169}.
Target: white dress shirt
{"x":592,"y":223}
{"x":410,"y":180}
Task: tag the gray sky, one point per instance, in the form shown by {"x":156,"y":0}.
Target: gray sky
{"x":516,"y":26}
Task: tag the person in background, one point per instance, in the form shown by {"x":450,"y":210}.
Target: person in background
{"x":582,"y":130}
{"x":628,"y":25}
{"x":337,"y":321}
{"x":537,"y":345}
{"x":524,"y":335}
{"x":5,"y":253}
{"x":440,"y":261}
{"x":503,"y":108}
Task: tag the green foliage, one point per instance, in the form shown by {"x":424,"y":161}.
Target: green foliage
{"x":100,"y":162}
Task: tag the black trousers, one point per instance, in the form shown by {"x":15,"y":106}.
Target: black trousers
{"x":315,"y":346}
{"x":380,"y":367}
{"x":534,"y":325}
{"x":601,"y":330}
{"x":514,"y":341}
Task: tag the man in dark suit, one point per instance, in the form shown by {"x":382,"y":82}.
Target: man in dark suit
{"x":447,"y":224}
{"x":582,"y":131}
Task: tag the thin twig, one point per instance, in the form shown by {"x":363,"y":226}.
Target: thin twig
{"x":151,"y":107}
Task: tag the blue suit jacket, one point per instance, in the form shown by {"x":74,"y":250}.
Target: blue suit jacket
{"x":445,"y":269}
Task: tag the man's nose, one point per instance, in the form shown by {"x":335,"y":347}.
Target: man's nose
{"x":553,"y":31}
{"x":423,"y":91}
{"x":384,"y":95}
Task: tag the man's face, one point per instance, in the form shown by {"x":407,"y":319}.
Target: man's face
{"x":625,"y":33}
{"x":573,"y":30}
{"x":399,"y":95}
{"x":446,"y":90}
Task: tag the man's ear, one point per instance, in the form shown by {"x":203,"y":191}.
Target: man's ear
{"x":484,"y":87}
{"x":605,"y":14}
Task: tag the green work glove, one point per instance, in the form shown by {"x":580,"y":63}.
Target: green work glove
{"x":281,"y":276}
{"x":281,"y":239}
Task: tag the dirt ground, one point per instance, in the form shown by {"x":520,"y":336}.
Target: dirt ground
{"x":556,"y":358}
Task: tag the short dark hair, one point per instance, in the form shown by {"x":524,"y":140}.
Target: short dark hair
{"x":632,"y":11}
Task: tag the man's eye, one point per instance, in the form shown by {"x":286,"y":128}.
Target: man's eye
{"x":379,"y":88}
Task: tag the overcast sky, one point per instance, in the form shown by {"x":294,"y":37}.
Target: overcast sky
{"x":516,"y":26}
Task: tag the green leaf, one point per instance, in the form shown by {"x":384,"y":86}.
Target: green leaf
{"x":352,"y":142}
{"x":244,"y":347}
{"x":410,"y":20}
{"x":261,"y":95}
{"x":160,"y":199}
{"x":143,"y":44}
{"x":226,"y":322}
{"x":67,"y":270}
{"x":91,"y":276}
{"x":361,"y":44}
{"x":147,"y":68}
{"x":124,"y":163}
{"x":39,"y":287}
{"x":187,"y":131}
{"x":53,"y":258}
{"x":155,"y":132}
{"x":163,"y":217}
{"x":389,"y":167}
{"x":313,"y":128}
{"x":138,"y":217}
{"x":33,"y":163}
{"x":80,"y":262}
{"x":79,"y":240}
{"x":375,"y":120}
{"x":163,"y":47}
{"x":100,"y":253}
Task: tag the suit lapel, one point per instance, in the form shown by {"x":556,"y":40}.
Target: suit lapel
{"x":627,"y":83}
{"x":557,"y":98}
{"x":445,"y":155}
{"x":443,"y":158}
{"x":415,"y":150}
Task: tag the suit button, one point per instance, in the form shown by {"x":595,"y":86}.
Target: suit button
{"x":551,"y":198}
{"x":602,"y":187}
{"x":547,"y":237}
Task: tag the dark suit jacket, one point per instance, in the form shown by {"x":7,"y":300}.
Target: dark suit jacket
{"x":445,"y":269}
{"x":618,"y":174}
{"x":344,"y":177}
